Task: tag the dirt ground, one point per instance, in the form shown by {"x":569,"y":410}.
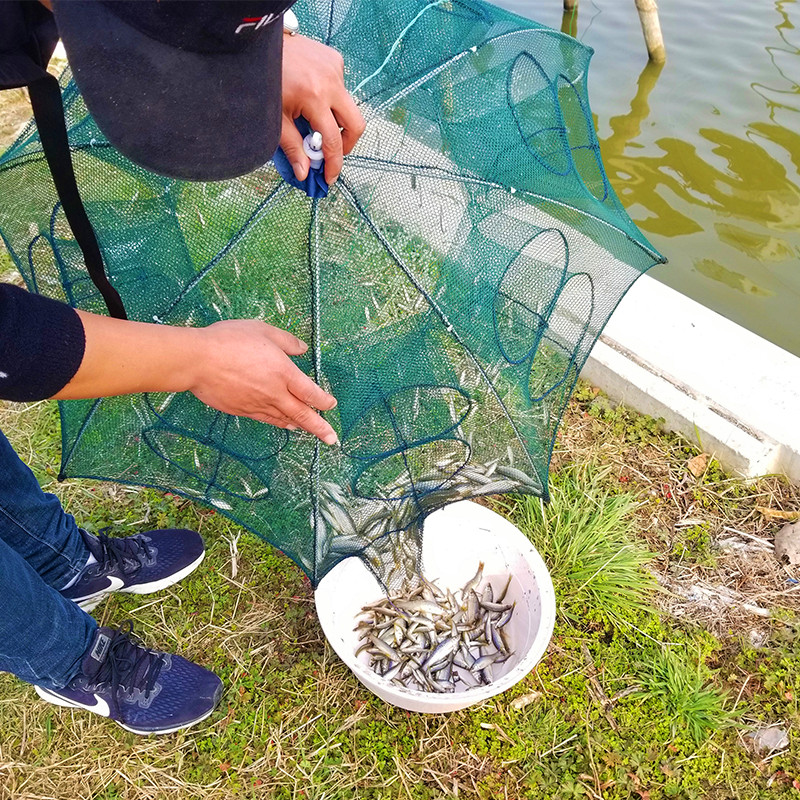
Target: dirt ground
{"x":712,"y":532}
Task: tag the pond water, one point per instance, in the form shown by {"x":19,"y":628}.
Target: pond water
{"x":704,"y":152}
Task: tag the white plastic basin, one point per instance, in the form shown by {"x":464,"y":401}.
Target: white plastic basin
{"x":456,"y":538}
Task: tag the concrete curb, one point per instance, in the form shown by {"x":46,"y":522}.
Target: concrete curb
{"x":734,"y":394}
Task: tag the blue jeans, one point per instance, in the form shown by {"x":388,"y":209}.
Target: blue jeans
{"x":42,"y":635}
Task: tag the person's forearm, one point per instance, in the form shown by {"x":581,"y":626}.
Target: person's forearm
{"x":241,"y":367}
{"x":124,"y":357}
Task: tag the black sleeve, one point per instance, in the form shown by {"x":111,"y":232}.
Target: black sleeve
{"x":28,"y":36}
{"x":41,"y":344}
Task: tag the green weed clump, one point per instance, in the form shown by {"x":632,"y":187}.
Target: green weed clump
{"x":586,"y":536}
{"x":619,"y":421}
{"x":684,"y":692}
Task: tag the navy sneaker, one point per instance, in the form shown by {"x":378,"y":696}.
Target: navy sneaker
{"x":137,"y":564}
{"x":145,"y":691}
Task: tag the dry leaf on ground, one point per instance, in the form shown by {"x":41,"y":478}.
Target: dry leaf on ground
{"x":776,"y":513}
{"x":697,"y":465}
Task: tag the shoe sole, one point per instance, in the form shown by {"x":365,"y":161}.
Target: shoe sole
{"x":57,"y":700}
{"x":90,"y":602}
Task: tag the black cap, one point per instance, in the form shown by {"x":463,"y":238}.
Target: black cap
{"x":190,"y":90}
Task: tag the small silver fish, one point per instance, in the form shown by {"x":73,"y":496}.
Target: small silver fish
{"x":495,"y":607}
{"x":421,"y":606}
{"x":434,"y":640}
{"x":384,"y":648}
{"x":443,"y":651}
{"x":473,"y":581}
{"x":502,"y":595}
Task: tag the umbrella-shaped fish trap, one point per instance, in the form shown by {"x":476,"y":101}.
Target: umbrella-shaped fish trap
{"x":451,"y":284}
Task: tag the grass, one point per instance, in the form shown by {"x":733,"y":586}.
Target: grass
{"x":586,"y":536}
{"x":628,"y":702}
{"x":690,"y":701}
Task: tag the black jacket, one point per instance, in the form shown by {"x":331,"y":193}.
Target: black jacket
{"x":41,"y":341}
{"x":28,"y":36}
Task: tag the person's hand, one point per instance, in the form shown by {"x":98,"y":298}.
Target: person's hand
{"x":245,"y":370}
{"x":238,"y":366}
{"x":313,"y":87}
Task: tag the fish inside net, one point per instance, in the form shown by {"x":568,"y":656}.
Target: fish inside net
{"x":450,"y":286}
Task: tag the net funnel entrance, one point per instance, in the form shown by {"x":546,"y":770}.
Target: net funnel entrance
{"x":451,"y":284}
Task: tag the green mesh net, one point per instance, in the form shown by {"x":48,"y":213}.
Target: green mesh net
{"x":451,"y":285}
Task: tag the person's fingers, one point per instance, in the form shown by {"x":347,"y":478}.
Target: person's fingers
{"x":307,"y":419}
{"x":287,"y":342}
{"x":308,"y":392}
{"x":326,"y":124}
{"x":292,"y":145}
{"x":277,"y":420}
{"x":350,"y":120}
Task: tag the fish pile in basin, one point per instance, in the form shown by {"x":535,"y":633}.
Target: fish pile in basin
{"x":438,"y":641}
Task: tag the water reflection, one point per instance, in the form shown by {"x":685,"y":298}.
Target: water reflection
{"x":777,"y":54}
{"x":705,"y":153}
{"x":735,"y":177}
{"x":753,"y":244}
{"x":734,"y":280}
{"x":725,"y":197}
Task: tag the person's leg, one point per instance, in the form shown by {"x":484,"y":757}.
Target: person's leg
{"x":43,"y":636}
{"x":34,"y":524}
{"x":83,"y":567}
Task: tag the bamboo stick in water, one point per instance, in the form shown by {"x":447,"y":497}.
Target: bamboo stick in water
{"x":651,"y":27}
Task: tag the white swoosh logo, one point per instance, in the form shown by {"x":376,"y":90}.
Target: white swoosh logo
{"x":100,"y":707}
{"x":114,"y":584}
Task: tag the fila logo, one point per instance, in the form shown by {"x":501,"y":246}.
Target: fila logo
{"x":257,"y":22}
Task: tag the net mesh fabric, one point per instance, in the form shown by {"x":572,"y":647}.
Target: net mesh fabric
{"x":450,"y":286}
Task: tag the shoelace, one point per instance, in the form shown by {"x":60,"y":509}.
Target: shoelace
{"x":124,"y":553}
{"x":128,"y":665}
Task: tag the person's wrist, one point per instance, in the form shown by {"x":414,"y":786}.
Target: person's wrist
{"x":197,"y":357}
